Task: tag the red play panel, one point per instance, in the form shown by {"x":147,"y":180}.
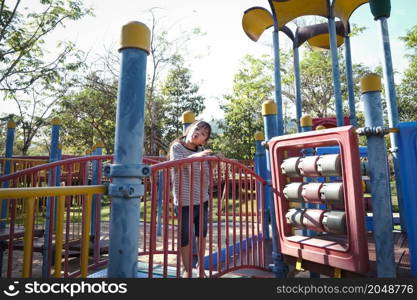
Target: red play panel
{"x":347,"y":251}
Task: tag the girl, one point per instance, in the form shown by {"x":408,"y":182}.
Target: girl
{"x":187,"y":146}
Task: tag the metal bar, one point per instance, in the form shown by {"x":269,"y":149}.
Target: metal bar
{"x":28,"y":237}
{"x":297,"y":83}
{"x":59,"y":236}
{"x":278,"y":89}
{"x":350,"y":83}
{"x":336,"y":72}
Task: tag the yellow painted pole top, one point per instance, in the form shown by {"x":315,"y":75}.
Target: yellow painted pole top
{"x":371,"y":83}
{"x":188,"y":117}
{"x":136,"y":35}
{"x":320,"y":127}
{"x":269,"y":107}
{"x":11,"y":124}
{"x":306,"y":120}
{"x":56,"y":121}
{"x":99,"y":145}
{"x":259,"y":136}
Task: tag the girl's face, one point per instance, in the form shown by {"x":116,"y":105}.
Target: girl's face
{"x":197,"y":135}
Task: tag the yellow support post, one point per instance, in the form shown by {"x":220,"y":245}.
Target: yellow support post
{"x":86,"y":235}
{"x":28,"y":237}
{"x":59,"y":236}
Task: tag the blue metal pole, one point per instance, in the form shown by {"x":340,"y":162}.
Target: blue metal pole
{"x":336,"y":72}
{"x":261,"y":170}
{"x":269,"y":112}
{"x":350,"y":83}
{"x":393,"y":118}
{"x":297,"y":75}
{"x":160,"y":196}
{"x":126,"y":172}
{"x":95,"y":212}
{"x":49,"y":224}
{"x":380,"y":185}
{"x":278,"y":90}
{"x":11,"y":128}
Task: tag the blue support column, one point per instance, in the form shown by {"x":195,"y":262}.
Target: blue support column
{"x":11,"y":128}
{"x":49,"y":216}
{"x":278,"y":90}
{"x":126,"y":172}
{"x":393,"y":118}
{"x":261,"y":170}
{"x":269,"y":112}
{"x":378,"y":172}
{"x":297,"y":79}
{"x":160,"y":197}
{"x":95,"y":180}
{"x":336,"y":72}
{"x":350,"y":83}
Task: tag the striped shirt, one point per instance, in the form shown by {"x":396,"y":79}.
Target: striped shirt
{"x":178,"y":151}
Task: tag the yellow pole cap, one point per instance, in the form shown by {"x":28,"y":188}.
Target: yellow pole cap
{"x":136,"y":35}
{"x":305,"y":121}
{"x":320,"y":127}
{"x":11,"y":124}
{"x":56,"y":121}
{"x":99,"y":145}
{"x":269,"y":107}
{"x":188,"y":117}
{"x":371,"y":83}
{"x":259,"y":136}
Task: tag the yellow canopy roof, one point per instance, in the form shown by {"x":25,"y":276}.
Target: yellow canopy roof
{"x":255,"y":21}
{"x":343,"y":9}
{"x":322,"y":42}
{"x":292,"y":9}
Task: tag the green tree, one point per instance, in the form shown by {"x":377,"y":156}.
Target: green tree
{"x":179,"y":94}
{"x":252,"y":85}
{"x":22,"y":37}
{"x":407,"y":90}
{"x":89,"y":115}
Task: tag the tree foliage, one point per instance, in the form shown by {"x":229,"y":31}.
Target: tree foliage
{"x":252,"y":85}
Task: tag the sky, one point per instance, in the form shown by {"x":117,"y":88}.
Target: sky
{"x":225,"y":43}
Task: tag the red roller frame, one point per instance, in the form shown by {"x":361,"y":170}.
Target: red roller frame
{"x":350,"y":253}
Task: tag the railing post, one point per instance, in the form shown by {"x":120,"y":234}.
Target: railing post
{"x":261,"y":170}
{"x":160,"y":197}
{"x":379,"y":175}
{"x":269,"y":113}
{"x":11,"y":127}
{"x":126,"y":188}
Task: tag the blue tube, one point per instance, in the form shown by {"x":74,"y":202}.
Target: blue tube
{"x":11,"y":126}
{"x":126,"y":187}
{"x":297,"y":78}
{"x":380,"y":187}
{"x":278,"y":90}
{"x":54,"y":156}
{"x":261,"y":170}
{"x":96,"y":198}
{"x":279,"y":268}
{"x":393,"y":119}
{"x":350,"y":83}
{"x":336,"y":72}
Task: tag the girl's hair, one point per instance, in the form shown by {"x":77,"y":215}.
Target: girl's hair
{"x":181,"y":138}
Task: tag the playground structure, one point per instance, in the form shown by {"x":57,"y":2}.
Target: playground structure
{"x":301,"y":206}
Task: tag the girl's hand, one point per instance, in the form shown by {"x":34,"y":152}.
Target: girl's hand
{"x":206,"y":152}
